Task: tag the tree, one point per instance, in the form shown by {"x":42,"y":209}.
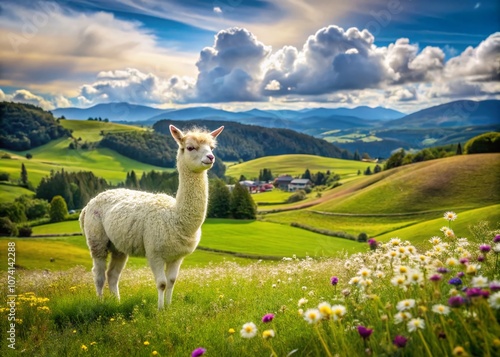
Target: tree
{"x":14,"y":211}
{"x":29,"y":156}
{"x":307,"y":175}
{"x":242,"y":204}
{"x":7,"y":227}
{"x":24,"y":176}
{"x":356,"y":156}
{"x":362,"y":237}
{"x":377,"y":169}
{"x":485,"y":143}
{"x":459,"y":149}
{"x":58,"y":209}
{"x":395,"y":159}
{"x":219,"y":203}
{"x":368,"y":171}
{"x":265,"y":175}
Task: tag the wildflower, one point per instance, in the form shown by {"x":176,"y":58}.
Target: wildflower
{"x":365,"y":272}
{"x":111,"y":319}
{"x":416,"y":276}
{"x":154,"y":353}
{"x":405,"y":304}
{"x":338,"y":311}
{"x":452,"y":262}
{"x":395,"y":241}
{"x":401,"y":269}
{"x":346,"y":292}
{"x":400,"y":341}
{"x":479,"y":281}
{"x":459,"y":351}
{"x":495,"y":285}
{"x":364,"y":332}
{"x":146,"y":343}
{"x":450,"y":216}
{"x":494,"y":300}
{"x":312,"y":316}
{"x":455,"y":281}
{"x":399,"y":280}
{"x":441,"y":309}
{"x":334,"y":280}
{"x":456,"y":301}
{"x":300,"y":312}
{"x":198,"y":352}
{"x":460,"y":274}
{"x":302,"y":301}
{"x":74,"y":331}
{"x":231,"y":331}
{"x":415,"y":324}
{"x":304,"y":288}
{"x":463,"y":260}
{"x":480,"y":258}
{"x":401,"y":317}
{"x":496,"y":248}
{"x":84,"y":348}
{"x":354,"y":280}
{"x":325,"y":309}
{"x":435,"y":277}
{"x":449,"y":233}
{"x":442,"y":270}
{"x":435,"y":240}
{"x":267,"y":318}
{"x":496,"y":239}
{"x":93,"y":343}
{"x":472,"y":269}
{"x":485,"y":248}
{"x":476,"y":292}
{"x":267,"y":334}
{"x":249,"y":330}
{"x":372,"y":243}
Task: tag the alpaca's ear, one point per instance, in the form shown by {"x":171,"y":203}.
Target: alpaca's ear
{"x":216,"y":132}
{"x":176,"y":134}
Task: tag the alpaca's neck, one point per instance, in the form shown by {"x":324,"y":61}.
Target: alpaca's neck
{"x":191,"y":200}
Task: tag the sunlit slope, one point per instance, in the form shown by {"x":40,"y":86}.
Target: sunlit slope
{"x":296,"y":165}
{"x":465,"y":181}
{"x":90,"y":130}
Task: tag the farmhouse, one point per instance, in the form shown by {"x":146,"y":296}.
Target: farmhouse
{"x":299,"y":184}
{"x":282,"y":182}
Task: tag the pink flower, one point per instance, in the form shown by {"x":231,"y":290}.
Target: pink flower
{"x":267,"y":318}
{"x":364,"y":332}
{"x":198,"y":352}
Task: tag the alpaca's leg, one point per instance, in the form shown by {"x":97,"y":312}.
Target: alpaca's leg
{"x":158,"y":268}
{"x":116,"y":265}
{"x":172,"y":272}
{"x":99,"y":271}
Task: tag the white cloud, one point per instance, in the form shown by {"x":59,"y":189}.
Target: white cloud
{"x":217,"y":10}
{"x":273,"y":85}
{"x":25,"y":96}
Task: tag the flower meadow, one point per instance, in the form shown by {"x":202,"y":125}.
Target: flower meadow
{"x":441,"y":298}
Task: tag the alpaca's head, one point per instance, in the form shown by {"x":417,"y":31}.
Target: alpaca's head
{"x":195,"y":148}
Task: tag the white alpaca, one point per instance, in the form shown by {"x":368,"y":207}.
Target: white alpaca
{"x":162,"y":228}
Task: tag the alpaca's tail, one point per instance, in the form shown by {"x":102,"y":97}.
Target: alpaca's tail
{"x":82,"y":220}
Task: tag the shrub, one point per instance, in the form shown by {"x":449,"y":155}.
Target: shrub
{"x":58,"y":209}
{"x":25,"y":231}
{"x":362,"y":237}
{"x":486,"y":143}
{"x":4,"y":176}
{"x":297,"y":196}
{"x":7,"y":227}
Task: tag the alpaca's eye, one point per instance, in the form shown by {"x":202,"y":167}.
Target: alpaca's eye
{"x":190,"y":148}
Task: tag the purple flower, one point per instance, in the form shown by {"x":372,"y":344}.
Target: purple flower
{"x":442,"y":335}
{"x":480,"y":258}
{"x":198,"y":352}
{"x":456,"y":301}
{"x":364,"y":332}
{"x":460,"y":274}
{"x":400,"y":341}
{"x":496,"y":239}
{"x":435,"y":277}
{"x":485,"y":248}
{"x":442,"y":270}
{"x":373,"y":243}
{"x":267,"y":318}
{"x":463,"y":260}
{"x":495,"y":286}
{"x":475,"y":292}
{"x":334,"y":280}
{"x":455,"y":281}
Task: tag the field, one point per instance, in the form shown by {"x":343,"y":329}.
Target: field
{"x":296,"y":165}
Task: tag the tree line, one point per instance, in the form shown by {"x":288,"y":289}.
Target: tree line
{"x":25,"y":126}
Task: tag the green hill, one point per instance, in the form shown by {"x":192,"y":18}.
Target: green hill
{"x":296,"y":164}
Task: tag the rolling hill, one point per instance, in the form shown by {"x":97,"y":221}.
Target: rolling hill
{"x":112,"y":111}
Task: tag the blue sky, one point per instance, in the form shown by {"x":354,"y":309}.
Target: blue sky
{"x":241,"y":54}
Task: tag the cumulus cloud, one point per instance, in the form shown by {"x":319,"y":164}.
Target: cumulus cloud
{"x":133,"y":86}
{"x":230,"y":70}
{"x":25,"y":96}
{"x":402,"y":94}
{"x":482,"y":62}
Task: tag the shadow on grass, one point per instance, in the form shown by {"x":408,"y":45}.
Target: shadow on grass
{"x":84,"y":311}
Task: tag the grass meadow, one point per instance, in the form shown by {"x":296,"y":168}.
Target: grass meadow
{"x":441,"y":299}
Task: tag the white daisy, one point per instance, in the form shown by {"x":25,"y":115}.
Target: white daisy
{"x":494,"y":300}
{"x":405,"y":304}
{"x":249,"y":330}
{"x":302,"y":301}
{"x":338,"y":311}
{"x":479,"y":281}
{"x":441,"y":309}
{"x":312,"y":315}
{"x":450,"y":216}
{"x":402,"y":316}
{"x":415,"y":324}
